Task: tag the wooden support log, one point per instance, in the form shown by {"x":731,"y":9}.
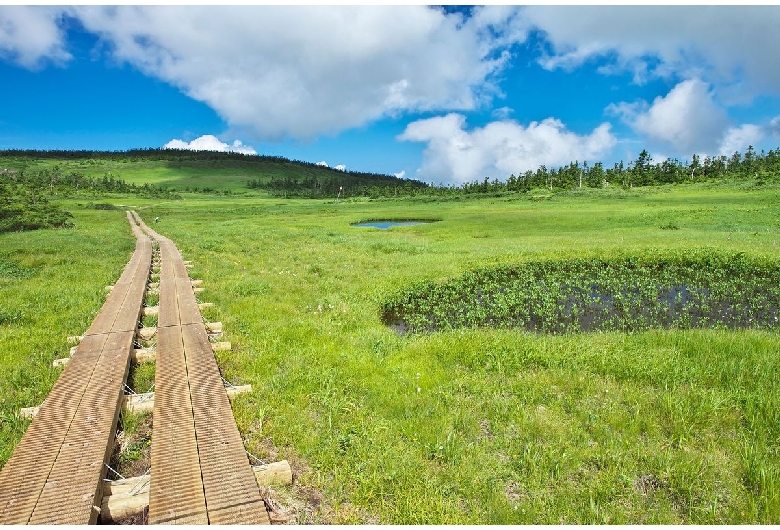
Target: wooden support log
{"x":145,"y":402}
{"x":124,"y":498}
{"x":151,"y":310}
{"x":73,"y":351}
{"x":29,"y":412}
{"x":153,"y":285}
{"x":128,"y":497}
{"x":109,"y":288}
{"x":196,"y":283}
{"x":75,"y":339}
{"x":205,"y":305}
{"x":60,"y":362}
{"x":235,"y":390}
{"x":214,"y":328}
{"x":274,"y":474}
{"x":198,"y":289}
{"x":143,"y":355}
{"x":153,"y":291}
{"x":138,"y":402}
{"x":146,"y":333}
{"x":221,"y":346}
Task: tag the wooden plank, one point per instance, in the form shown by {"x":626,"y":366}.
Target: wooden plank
{"x":232,"y":495}
{"x":72,"y":487}
{"x":24,"y":475}
{"x":229,"y":490}
{"x":176,"y":494}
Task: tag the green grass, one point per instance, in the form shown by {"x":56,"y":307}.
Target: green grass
{"x":461,"y":426}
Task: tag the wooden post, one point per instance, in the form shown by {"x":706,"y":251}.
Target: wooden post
{"x":128,"y":497}
{"x":143,"y":355}
{"x":146,"y":333}
{"x":276,"y":473}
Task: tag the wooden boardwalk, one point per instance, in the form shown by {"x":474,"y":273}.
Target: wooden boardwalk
{"x":200,"y":471}
{"x":54,"y":474}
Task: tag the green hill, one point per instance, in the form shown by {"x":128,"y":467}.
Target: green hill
{"x":199,"y":170}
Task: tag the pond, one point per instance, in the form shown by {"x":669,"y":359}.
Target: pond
{"x":384,"y":225}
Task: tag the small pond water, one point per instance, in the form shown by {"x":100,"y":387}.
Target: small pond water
{"x":384,"y":225}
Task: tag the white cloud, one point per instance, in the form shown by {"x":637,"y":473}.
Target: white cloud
{"x":30,"y":34}
{"x":300,"y":71}
{"x":455,"y":155}
{"x":774,"y":127}
{"x":210,"y":142}
{"x":340,"y":167}
{"x":732,"y":46}
{"x":739,"y":138}
{"x":687,"y":118}
{"x":322,"y":163}
{"x":401,"y":174}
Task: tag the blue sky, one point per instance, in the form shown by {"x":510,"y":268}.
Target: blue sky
{"x":440,"y":95}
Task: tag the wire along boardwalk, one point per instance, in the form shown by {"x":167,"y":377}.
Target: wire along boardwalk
{"x":54,"y":474}
{"x":200,"y":471}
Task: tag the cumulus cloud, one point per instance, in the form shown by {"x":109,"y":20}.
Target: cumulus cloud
{"x":739,"y":138}
{"x":722,"y":45}
{"x":210,"y":142}
{"x":28,"y":35}
{"x":401,"y":174}
{"x":322,"y":163}
{"x":300,"y":71}
{"x":456,"y":155}
{"x":340,"y":167}
{"x":687,"y":118}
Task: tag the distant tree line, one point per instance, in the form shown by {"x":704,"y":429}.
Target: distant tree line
{"x":132,"y":154}
{"x":346,"y":184}
{"x":643,"y":172}
{"x":759,"y":168}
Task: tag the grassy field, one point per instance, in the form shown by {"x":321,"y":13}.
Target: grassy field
{"x":464,"y":426}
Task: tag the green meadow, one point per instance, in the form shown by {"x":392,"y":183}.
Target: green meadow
{"x":460,"y":426}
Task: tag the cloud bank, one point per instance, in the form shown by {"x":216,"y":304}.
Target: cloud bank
{"x":303,"y":71}
{"x":210,"y":142}
{"x":725,"y":46}
{"x":455,"y":155}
